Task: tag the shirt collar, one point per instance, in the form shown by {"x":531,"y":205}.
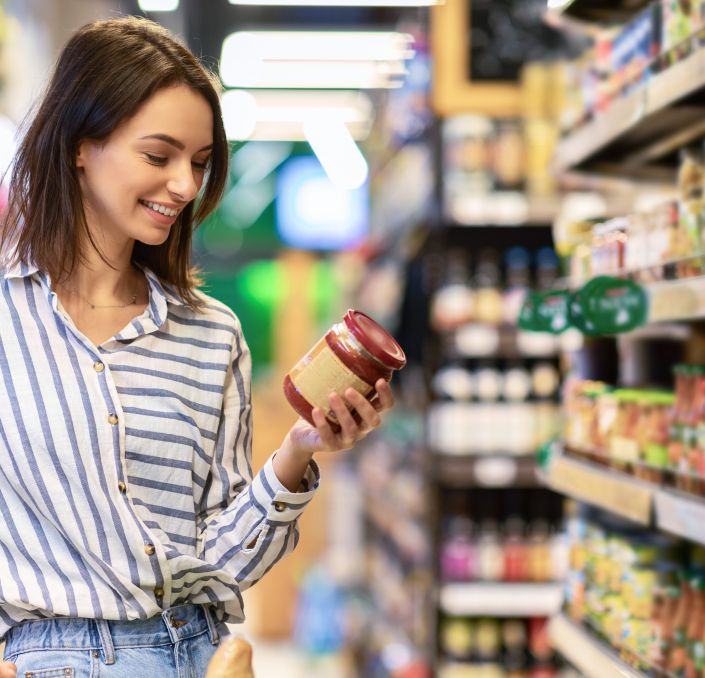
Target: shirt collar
{"x":19,"y":270}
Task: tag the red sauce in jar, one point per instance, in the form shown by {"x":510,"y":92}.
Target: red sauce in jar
{"x":354,"y":353}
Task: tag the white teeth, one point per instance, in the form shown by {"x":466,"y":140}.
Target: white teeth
{"x":160,"y":208}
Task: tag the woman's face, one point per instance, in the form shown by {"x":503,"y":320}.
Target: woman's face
{"x":136,"y":182}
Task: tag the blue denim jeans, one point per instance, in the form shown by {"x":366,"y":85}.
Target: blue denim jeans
{"x":177,"y":644}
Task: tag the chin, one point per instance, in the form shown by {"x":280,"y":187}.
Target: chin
{"x":153,"y":239}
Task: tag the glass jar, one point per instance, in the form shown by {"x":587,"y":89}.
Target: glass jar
{"x":355,"y":354}
{"x":655,"y":433}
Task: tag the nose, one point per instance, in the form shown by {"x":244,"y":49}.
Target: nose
{"x":183,"y":183}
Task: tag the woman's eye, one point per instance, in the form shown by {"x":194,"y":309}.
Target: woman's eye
{"x":203,"y":166}
{"x":155,"y":159}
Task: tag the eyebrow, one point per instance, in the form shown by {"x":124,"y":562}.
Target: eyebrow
{"x":174,"y":142}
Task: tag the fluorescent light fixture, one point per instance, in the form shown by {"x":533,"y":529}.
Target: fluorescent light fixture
{"x":337,"y":152}
{"x":158,"y":5}
{"x":315,"y":59}
{"x":341,"y":3}
{"x":558,"y":4}
{"x":280,"y":115}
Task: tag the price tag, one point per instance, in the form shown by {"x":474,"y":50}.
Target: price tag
{"x":681,"y":515}
{"x":474,"y":339}
{"x":609,"y":490}
{"x":495,"y":471}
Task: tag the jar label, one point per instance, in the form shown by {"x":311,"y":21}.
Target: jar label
{"x":321,"y":372}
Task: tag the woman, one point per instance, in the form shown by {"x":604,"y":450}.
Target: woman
{"x":131,"y":517}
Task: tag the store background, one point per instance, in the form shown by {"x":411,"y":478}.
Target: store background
{"x":500,"y":148}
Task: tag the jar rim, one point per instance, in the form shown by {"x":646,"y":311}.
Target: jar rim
{"x":376,"y":340}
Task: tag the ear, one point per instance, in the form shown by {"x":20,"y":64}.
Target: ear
{"x":81,"y":153}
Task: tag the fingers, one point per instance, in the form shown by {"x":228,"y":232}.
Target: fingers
{"x":385,"y":395}
{"x":328,"y":438}
{"x":349,"y":430}
{"x":368,"y":414}
{"x":8,"y":670}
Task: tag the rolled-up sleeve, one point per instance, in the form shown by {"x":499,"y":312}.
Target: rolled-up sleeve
{"x":246,"y":523}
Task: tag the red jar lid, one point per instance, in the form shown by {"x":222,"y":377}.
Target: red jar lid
{"x":376,"y":340}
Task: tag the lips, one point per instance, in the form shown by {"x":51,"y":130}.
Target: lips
{"x":159,"y":208}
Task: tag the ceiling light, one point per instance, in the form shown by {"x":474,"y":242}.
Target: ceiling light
{"x":341,"y":3}
{"x":281,"y":114}
{"x":158,"y":5}
{"x":315,"y":59}
{"x":337,"y":152}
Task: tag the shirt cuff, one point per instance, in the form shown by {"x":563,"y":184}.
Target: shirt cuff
{"x":275,"y":501}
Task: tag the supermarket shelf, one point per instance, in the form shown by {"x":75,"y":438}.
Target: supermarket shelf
{"x":680,"y":514}
{"x":486,"y":471}
{"x":607,"y":489}
{"x":592,"y":657}
{"x":639,"y":128}
{"x":673,"y":300}
{"x":481,"y":340}
{"x":477,"y":599}
{"x":650,"y":505}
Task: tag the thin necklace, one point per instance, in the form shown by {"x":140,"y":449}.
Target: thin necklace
{"x":132,"y":301}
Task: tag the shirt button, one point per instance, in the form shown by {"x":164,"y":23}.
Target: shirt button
{"x":158,"y":592}
{"x":98,"y":366}
{"x":149,"y":549}
{"x":279,"y":506}
{"x":112,"y":419}
{"x":122,"y":487}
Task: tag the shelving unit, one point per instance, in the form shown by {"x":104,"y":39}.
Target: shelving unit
{"x":490,"y":599}
{"x":486,"y":471}
{"x":639,"y":132}
{"x":676,"y":300}
{"x":616,"y":492}
{"x":592,"y":657}
{"x":481,"y":455}
{"x":635,"y":137}
{"x":644,"y":503}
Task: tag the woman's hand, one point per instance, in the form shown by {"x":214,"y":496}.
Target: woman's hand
{"x":303,"y":440}
{"x":307,"y":440}
{"x":8,"y":670}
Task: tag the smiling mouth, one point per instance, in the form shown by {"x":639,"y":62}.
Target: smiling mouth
{"x":160,"y":209}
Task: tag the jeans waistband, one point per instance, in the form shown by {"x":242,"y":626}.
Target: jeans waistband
{"x":107,"y":636}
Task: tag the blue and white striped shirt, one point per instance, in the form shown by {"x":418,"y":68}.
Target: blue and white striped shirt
{"x":125,"y":469}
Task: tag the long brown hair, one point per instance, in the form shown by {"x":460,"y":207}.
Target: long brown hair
{"x":106,"y":71}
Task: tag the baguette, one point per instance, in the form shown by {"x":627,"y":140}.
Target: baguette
{"x":233,"y":659}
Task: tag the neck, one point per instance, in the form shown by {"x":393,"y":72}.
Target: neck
{"x":115,"y":280}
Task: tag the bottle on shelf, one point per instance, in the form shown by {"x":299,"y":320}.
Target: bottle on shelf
{"x":487,"y":284}
{"x":678,"y":653}
{"x":517,"y":265}
{"x":458,"y":550}
{"x":453,"y":304}
{"x":490,"y":551}
{"x":516,"y":552}
{"x":547,"y":269}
